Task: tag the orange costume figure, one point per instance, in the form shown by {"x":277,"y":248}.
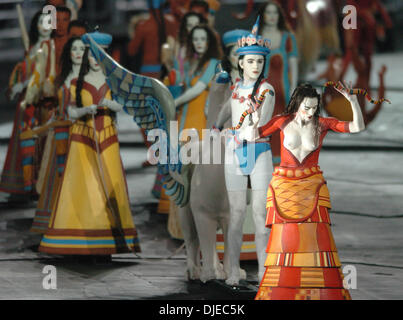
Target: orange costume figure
{"x":359,"y":47}
{"x":149,"y":36}
{"x":302,"y":260}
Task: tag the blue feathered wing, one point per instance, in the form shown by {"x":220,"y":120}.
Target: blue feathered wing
{"x":152,"y":106}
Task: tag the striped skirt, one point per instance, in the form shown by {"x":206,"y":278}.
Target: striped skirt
{"x":302,"y":261}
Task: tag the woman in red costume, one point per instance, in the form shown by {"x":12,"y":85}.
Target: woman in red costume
{"x":282,"y":64}
{"x":302,"y":260}
{"x":12,"y":177}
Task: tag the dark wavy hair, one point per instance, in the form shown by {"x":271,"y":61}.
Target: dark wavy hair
{"x":33,"y":29}
{"x":212,"y":46}
{"x":66,"y":62}
{"x":303,"y":91}
{"x":85,"y":67}
{"x":259,"y":79}
{"x":282,"y":22}
{"x":183,"y":34}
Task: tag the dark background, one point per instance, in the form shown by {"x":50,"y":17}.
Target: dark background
{"x":113,"y":17}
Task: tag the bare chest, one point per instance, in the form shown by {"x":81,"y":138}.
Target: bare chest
{"x":300,"y":141}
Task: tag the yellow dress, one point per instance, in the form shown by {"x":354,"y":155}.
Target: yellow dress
{"x":84,"y":220}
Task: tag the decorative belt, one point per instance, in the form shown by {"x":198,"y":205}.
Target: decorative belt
{"x":296,"y":172}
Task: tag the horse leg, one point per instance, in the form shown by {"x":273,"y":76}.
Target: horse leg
{"x":207,"y":230}
{"x":191,"y":242}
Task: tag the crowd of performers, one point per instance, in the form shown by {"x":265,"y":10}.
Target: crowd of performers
{"x":64,"y":148}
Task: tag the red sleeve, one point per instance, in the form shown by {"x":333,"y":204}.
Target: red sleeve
{"x":272,"y":126}
{"x":335,"y":125}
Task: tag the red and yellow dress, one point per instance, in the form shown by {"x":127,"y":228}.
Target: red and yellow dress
{"x":83,"y":221}
{"x":302,"y":261}
{"x":12,"y":177}
{"x":55,"y":154}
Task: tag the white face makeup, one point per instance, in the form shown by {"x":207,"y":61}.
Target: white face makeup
{"x":271,"y":15}
{"x":43,"y":32}
{"x":199,"y":40}
{"x":307,"y":109}
{"x":77,"y":52}
{"x":192,"y":22}
{"x":252,"y":65}
{"x":94,"y":65}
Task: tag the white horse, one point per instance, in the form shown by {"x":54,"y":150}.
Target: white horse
{"x":208,"y":207}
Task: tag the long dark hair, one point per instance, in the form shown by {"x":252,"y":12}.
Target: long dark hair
{"x":303,"y":91}
{"x":183,"y":34}
{"x":212,"y":47}
{"x":33,"y":29}
{"x":259,"y":79}
{"x":66,"y":62}
{"x":80,"y":80}
{"x":282,"y":22}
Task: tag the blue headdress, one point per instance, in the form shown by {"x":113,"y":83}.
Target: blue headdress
{"x":102,"y":39}
{"x":253,"y":44}
{"x":231,"y":37}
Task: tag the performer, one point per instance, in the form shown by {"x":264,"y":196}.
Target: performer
{"x":92,"y":213}
{"x":302,"y":260}
{"x":40,"y":102}
{"x":282,"y":64}
{"x":61,"y":34}
{"x":220,"y":94}
{"x":247,"y":161}
{"x":57,"y":140}
{"x":149,"y":37}
{"x":77,"y":28}
{"x":12,"y":178}
{"x":359,"y":47}
{"x":199,"y":69}
{"x":188,"y":22}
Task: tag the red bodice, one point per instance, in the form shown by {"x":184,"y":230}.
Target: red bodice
{"x":287,"y":158}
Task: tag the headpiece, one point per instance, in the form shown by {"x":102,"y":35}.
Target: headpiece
{"x":253,"y":44}
{"x":231,"y":37}
{"x":102,"y":39}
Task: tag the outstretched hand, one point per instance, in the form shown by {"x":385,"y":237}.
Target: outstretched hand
{"x":346,"y":90}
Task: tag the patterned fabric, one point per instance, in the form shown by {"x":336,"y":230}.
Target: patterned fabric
{"x":92,"y":217}
{"x":152,"y":107}
{"x":302,"y":260}
{"x":297,"y":198}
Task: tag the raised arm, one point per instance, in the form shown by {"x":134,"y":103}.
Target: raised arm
{"x":357,"y":124}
